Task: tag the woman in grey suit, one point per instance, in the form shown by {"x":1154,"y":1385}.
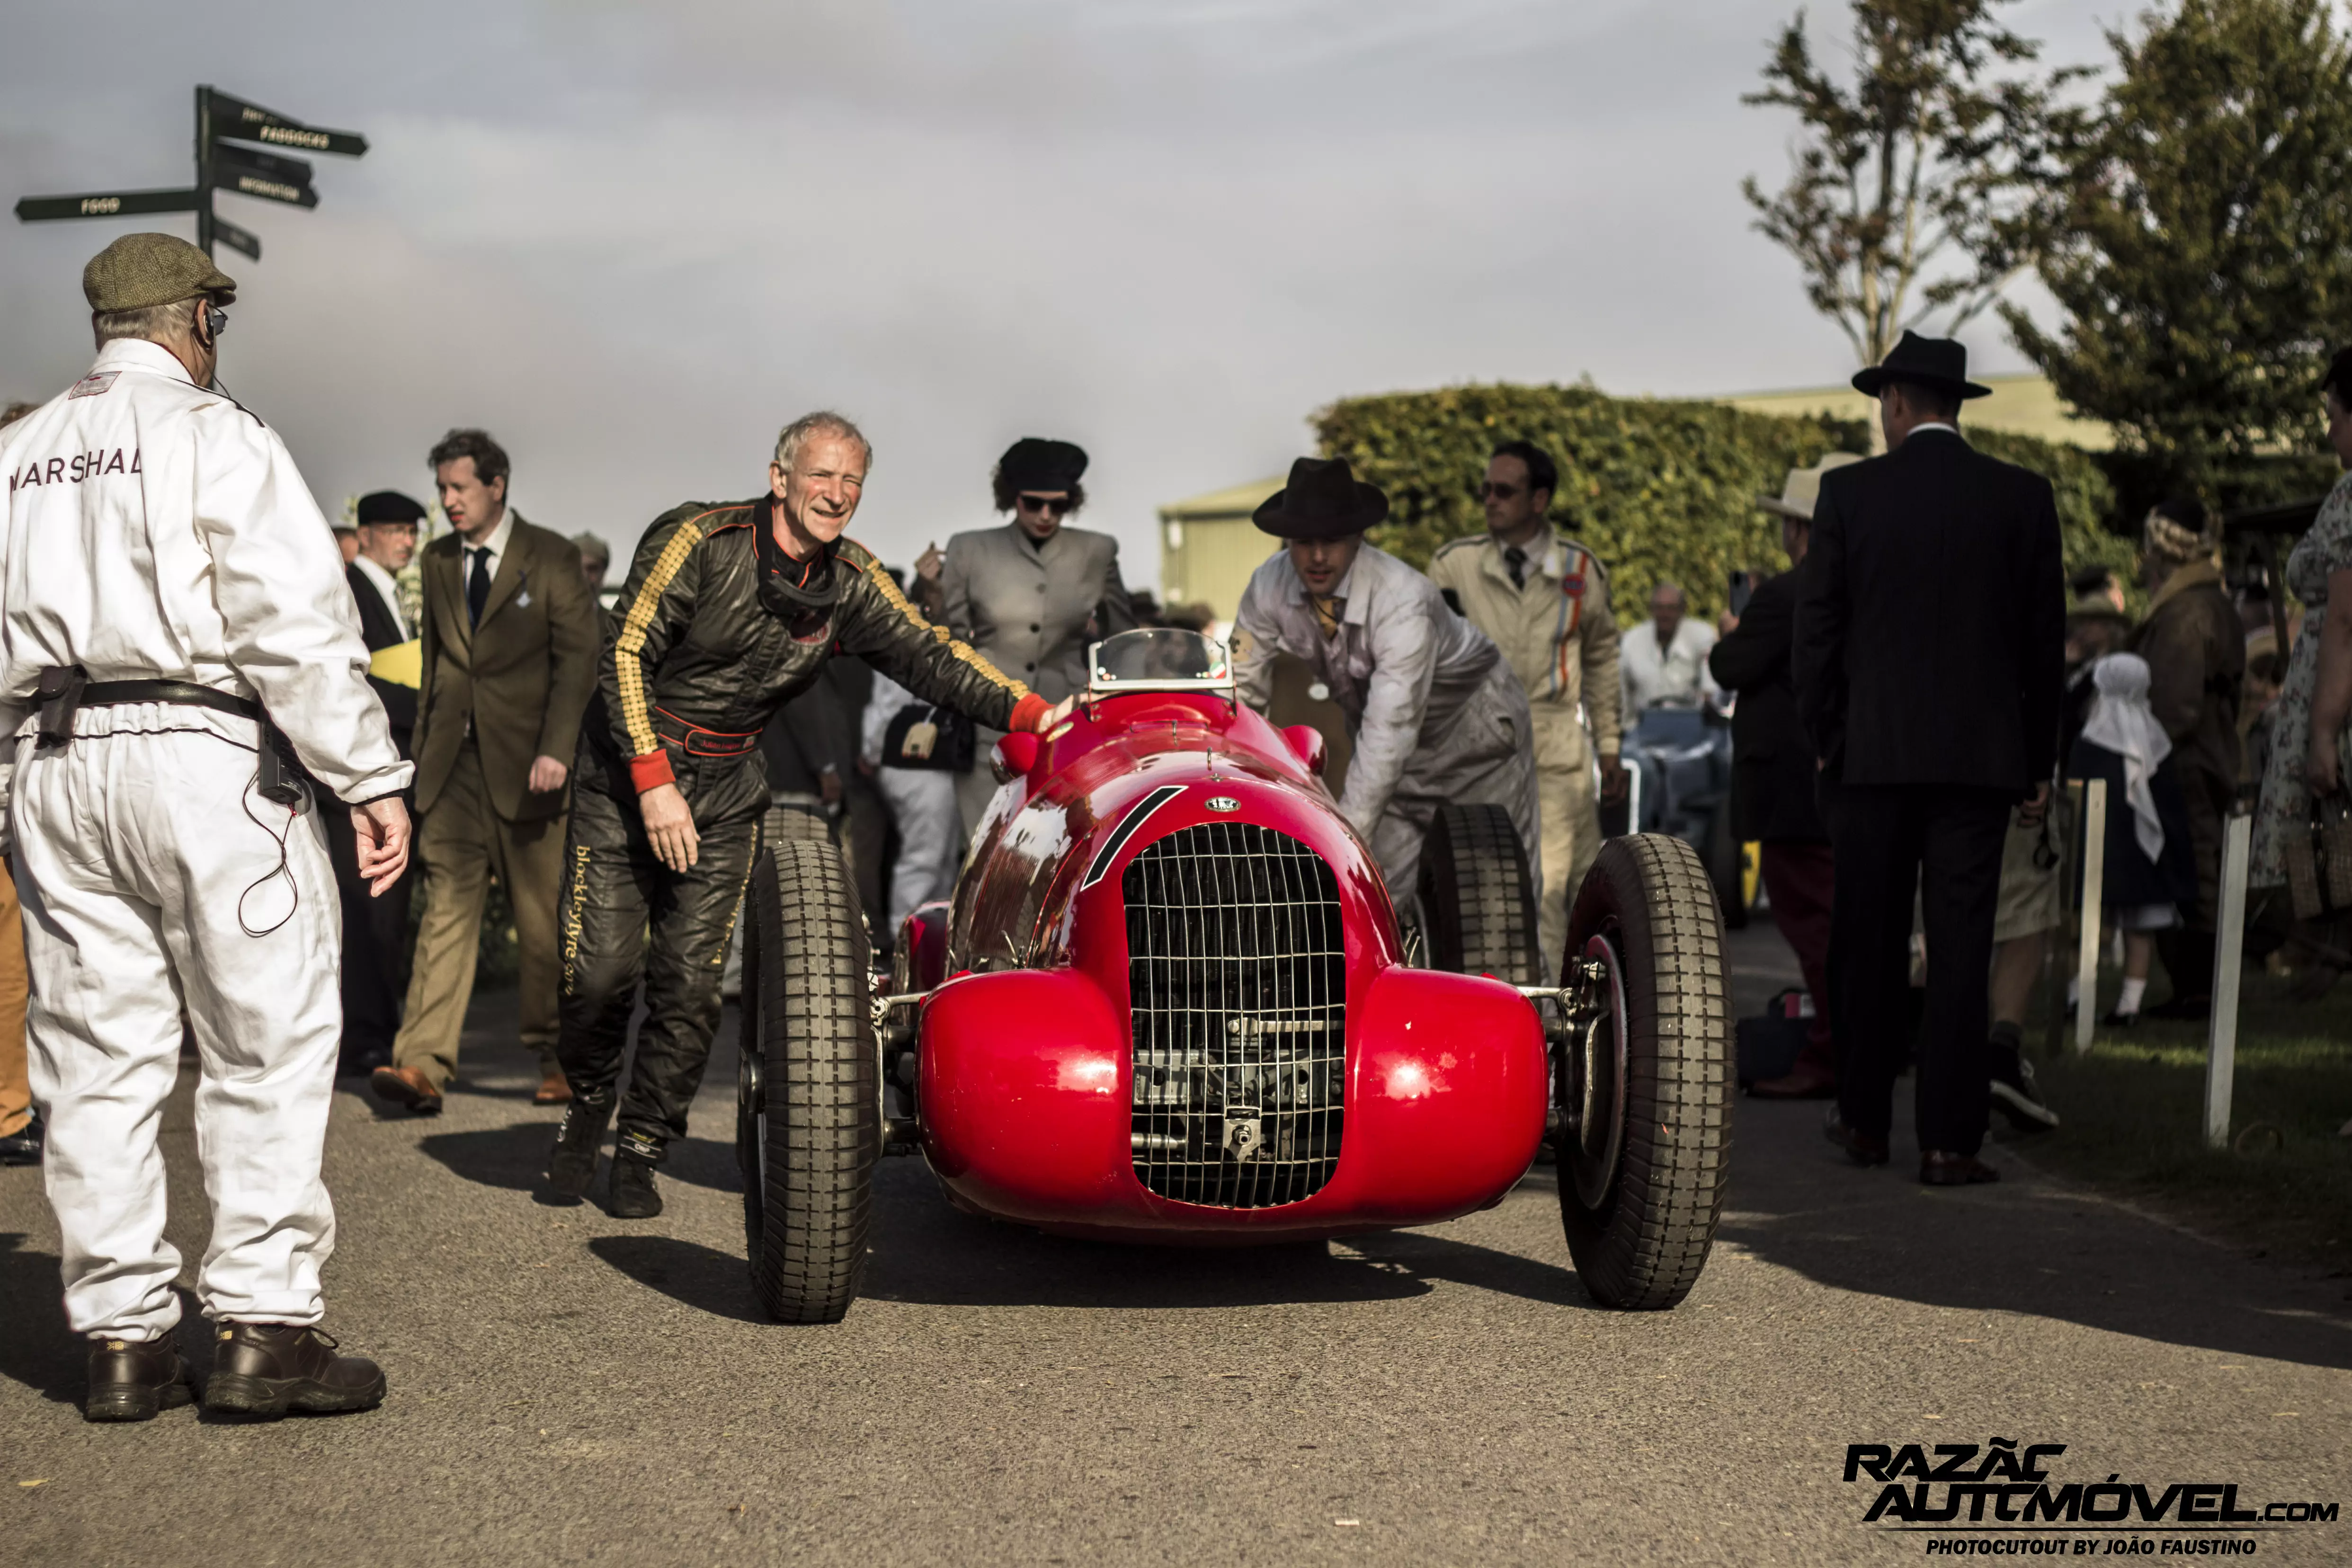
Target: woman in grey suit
{"x":1033,"y":595}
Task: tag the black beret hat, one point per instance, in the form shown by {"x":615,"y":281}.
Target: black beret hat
{"x":389,"y":506}
{"x":1034,"y":464}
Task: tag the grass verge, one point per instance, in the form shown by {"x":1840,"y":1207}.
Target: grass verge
{"x":2133,"y":1119}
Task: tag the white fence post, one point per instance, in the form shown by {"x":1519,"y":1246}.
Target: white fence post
{"x":2229,"y":962}
{"x":2095,"y":871}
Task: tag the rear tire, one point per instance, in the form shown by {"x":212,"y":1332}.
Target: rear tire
{"x":808,"y":1119}
{"x":1645,"y":1091}
{"x":1476,"y":901}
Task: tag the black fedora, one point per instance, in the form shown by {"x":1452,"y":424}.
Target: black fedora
{"x":1324,"y":500}
{"x":1937,"y":362}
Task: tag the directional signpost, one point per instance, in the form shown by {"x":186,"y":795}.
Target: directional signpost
{"x":222,"y":121}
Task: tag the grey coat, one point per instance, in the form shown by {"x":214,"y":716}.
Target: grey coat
{"x":1027,"y":607}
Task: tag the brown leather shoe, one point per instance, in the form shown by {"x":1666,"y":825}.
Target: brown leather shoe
{"x":554,"y":1089}
{"x":1860,"y":1147}
{"x":267,"y":1369}
{"x":408,"y":1087}
{"x":131,"y":1380}
{"x":1803,"y":1081}
{"x":1938,"y":1169}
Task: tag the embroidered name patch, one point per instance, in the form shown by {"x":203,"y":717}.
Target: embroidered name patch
{"x":95,"y":383}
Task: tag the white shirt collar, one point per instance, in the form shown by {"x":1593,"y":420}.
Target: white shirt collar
{"x":386,"y":589}
{"x":1935,"y":424}
{"x":138,"y":354}
{"x":497,"y":543}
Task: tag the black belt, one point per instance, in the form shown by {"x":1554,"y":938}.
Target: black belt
{"x":184,"y":694}
{"x":65,"y":689}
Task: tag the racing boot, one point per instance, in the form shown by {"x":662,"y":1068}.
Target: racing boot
{"x":571,"y":1169}
{"x":131,"y":1380}
{"x":267,"y":1369}
{"x":633,"y":1195}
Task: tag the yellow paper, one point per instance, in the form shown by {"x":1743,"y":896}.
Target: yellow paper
{"x":402,"y":664}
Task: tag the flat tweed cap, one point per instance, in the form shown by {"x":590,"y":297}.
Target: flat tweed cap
{"x":140,"y":271}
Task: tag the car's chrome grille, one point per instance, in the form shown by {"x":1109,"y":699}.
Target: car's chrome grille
{"x":1237,"y":978}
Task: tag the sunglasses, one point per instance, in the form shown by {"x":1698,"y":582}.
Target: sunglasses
{"x":1045,"y":506}
{"x":1492,"y":491}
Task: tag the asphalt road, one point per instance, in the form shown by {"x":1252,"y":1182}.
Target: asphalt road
{"x":570,"y":1388}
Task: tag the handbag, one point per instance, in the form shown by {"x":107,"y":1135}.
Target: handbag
{"x":2319,"y":860}
{"x":938,"y":740}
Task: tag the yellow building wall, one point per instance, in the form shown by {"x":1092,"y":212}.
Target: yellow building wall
{"x":1210,"y":562}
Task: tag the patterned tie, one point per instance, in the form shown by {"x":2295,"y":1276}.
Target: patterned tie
{"x":478,"y":585}
{"x":1516,"y":560}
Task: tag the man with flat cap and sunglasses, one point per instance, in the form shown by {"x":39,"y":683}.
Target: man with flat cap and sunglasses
{"x":1432,"y":706}
{"x":1928,"y":658}
{"x":177,"y":636}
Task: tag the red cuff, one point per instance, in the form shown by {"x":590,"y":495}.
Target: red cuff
{"x":651,"y":770}
{"x":1030,"y":713}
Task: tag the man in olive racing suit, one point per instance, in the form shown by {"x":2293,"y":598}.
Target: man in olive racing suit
{"x":729,"y":610}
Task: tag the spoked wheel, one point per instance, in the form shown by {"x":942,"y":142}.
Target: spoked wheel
{"x":1644,"y":1088}
{"x":808,"y":1109}
{"x":1476,"y":902}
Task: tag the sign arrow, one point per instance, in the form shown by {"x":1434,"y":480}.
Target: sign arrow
{"x":236,"y":238}
{"x":234,"y":117}
{"x":259,"y":175}
{"x":230,"y":162}
{"x":110,"y":204}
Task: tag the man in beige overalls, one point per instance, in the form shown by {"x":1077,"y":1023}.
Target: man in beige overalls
{"x":1543,"y":599}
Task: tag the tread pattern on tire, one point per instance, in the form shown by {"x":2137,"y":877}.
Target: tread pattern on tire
{"x":806,"y":961}
{"x":1478,"y":897}
{"x":1644,"y":1248}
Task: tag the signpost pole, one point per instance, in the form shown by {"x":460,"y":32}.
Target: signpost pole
{"x":204,"y":236}
{"x":2228,"y":963}
{"x":2094,"y":870}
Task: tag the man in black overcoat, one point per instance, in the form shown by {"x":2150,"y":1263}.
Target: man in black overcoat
{"x":1928,"y":659}
{"x":375,"y":929}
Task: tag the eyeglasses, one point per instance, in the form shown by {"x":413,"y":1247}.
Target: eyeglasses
{"x":1045,"y":506}
{"x":1490,"y":491}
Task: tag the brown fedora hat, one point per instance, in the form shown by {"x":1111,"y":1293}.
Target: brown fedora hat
{"x":1324,"y":500}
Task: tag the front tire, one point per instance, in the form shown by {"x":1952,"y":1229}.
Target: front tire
{"x":1477,"y":902}
{"x":808,"y":1119}
{"x":1645,"y":1088}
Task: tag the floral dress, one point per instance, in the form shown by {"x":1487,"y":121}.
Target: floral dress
{"x":2286,"y":801}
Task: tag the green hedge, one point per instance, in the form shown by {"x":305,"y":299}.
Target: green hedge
{"x":1656,"y":487}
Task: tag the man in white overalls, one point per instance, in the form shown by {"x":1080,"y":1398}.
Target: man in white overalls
{"x":178,"y":649}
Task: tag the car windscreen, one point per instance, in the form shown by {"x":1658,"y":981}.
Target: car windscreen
{"x":1158,"y":658}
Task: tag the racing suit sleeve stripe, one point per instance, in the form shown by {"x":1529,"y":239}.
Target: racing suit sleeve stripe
{"x":628,"y":648}
{"x":957,"y":647}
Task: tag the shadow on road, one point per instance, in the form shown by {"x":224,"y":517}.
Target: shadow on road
{"x":687,"y":1272}
{"x":927,"y":1252}
{"x":37,"y":1349}
{"x":515,"y":1157}
{"x":2025,"y":1246}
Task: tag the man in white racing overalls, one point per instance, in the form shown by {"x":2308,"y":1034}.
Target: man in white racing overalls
{"x":166,"y":580}
{"x":1435,"y":713}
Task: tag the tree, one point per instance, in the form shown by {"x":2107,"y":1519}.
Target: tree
{"x":1913,"y":184}
{"x":2200,"y":248}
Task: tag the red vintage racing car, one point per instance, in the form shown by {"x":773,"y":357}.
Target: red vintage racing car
{"x":1173,"y":1002}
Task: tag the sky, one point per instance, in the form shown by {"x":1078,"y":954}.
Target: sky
{"x":632,"y":241}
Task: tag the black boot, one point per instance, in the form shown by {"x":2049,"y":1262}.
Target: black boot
{"x":571,"y":1169}
{"x":131,"y":1380}
{"x":267,"y":1369}
{"x":633,"y":1193}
